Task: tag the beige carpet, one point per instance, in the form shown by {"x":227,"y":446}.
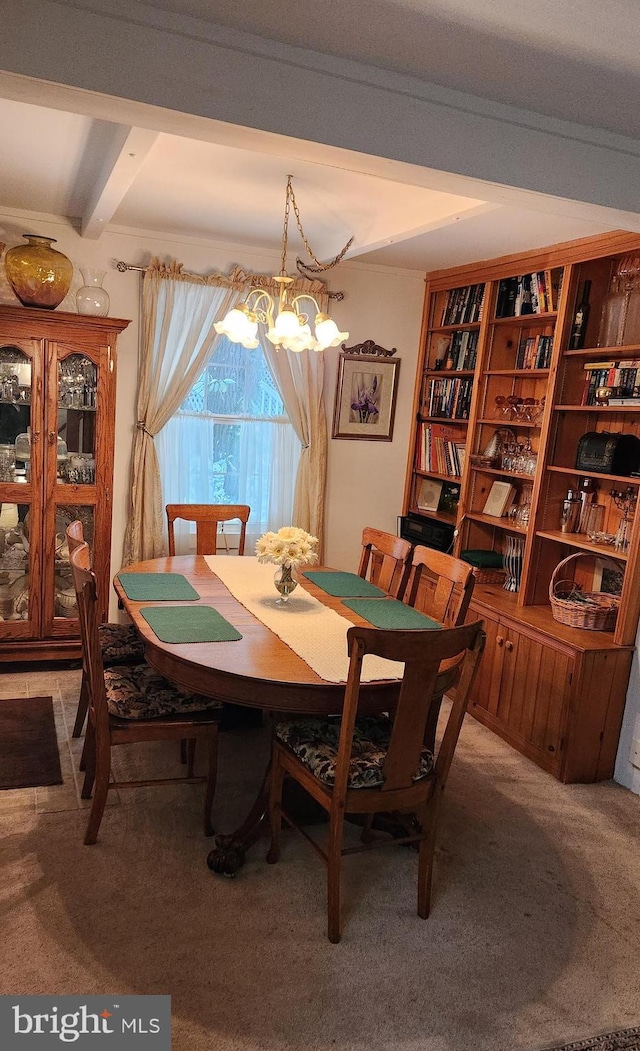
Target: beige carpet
{"x":533,"y":940}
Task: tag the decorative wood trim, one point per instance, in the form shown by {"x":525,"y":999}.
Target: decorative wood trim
{"x":370,"y":348}
{"x":562,"y":254}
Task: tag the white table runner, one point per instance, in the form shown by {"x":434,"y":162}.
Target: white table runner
{"x":312,"y":630}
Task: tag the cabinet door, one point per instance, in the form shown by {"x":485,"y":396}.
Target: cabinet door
{"x":78,"y":472}
{"x":522,"y":690}
{"x":484,"y":692}
{"x":533,"y":695}
{"x":21,"y":381}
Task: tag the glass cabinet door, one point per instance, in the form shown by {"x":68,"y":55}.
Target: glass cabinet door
{"x":20,"y":500}
{"x":76,"y":420}
{"x":73,"y":488}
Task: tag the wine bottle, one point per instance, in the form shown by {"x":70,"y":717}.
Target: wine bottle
{"x":580,"y":318}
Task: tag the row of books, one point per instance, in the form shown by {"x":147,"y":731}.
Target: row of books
{"x":440,"y":449}
{"x":447,"y":398}
{"x":534,"y":352}
{"x":463,"y":305}
{"x":526,"y":294}
{"x":622,"y":377}
{"x":461,"y":351}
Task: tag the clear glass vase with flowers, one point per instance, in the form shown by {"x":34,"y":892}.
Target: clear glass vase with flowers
{"x":289,"y":548}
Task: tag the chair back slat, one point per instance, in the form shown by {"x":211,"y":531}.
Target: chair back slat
{"x":75,"y":535}
{"x":207,"y":518}
{"x":384,"y":561}
{"x":409,"y":724}
{"x":440,"y":585}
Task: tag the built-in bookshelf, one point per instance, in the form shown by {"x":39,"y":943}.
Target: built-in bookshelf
{"x":513,"y":380}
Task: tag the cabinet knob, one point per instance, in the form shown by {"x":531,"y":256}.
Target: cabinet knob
{"x":508,"y":646}
{"x":500,"y":640}
{"x":51,"y":437}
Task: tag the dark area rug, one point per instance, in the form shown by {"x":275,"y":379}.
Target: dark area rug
{"x":623,"y":1040}
{"x":28,"y":746}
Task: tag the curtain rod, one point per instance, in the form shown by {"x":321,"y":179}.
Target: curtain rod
{"x":123,"y":267}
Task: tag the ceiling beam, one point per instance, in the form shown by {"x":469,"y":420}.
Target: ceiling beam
{"x":192,"y":66}
{"x":126,"y":153}
{"x":396,"y":237}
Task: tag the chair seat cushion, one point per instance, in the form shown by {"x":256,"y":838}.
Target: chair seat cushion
{"x":138,"y":692}
{"x":120,"y":644}
{"x":315,"y":743}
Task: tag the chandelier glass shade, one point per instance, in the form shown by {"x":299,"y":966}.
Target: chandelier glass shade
{"x":287,"y":322}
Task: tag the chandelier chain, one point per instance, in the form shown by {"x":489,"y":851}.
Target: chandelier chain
{"x":319,"y":267}
{"x":288,"y":326}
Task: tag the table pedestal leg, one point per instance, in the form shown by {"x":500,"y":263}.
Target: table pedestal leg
{"x":229,"y":852}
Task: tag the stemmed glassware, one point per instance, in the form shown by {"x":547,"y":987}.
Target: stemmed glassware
{"x":515,"y":409}
{"x":77,"y":383}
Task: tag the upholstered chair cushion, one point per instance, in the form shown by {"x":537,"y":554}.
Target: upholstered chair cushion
{"x":138,"y":692}
{"x":315,"y":742}
{"x":120,"y":644}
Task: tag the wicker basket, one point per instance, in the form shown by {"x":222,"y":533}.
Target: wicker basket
{"x":489,"y":575}
{"x":593,"y":610}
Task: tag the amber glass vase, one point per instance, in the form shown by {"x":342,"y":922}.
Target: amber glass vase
{"x":38,"y":274}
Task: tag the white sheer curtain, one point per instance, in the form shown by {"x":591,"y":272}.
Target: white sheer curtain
{"x":267,"y":464}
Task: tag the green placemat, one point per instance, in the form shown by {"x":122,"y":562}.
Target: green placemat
{"x":344,"y":585}
{"x":189,"y":624}
{"x":157,"y":587}
{"x":390,"y":613}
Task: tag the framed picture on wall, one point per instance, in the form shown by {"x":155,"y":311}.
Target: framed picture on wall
{"x":366,"y":393}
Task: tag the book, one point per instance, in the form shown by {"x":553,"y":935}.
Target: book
{"x":499,"y":499}
{"x":551,"y":306}
{"x":429,"y":493}
{"x":628,"y":403}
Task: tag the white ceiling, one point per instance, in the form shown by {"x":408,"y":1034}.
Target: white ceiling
{"x":186,"y":178}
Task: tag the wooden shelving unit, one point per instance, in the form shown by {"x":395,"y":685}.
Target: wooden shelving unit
{"x":555,"y":692}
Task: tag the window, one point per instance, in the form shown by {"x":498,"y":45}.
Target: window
{"x":231,"y":441}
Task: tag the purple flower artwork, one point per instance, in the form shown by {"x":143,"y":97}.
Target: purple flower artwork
{"x":365,"y":397}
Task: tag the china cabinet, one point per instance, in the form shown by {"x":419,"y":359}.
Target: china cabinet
{"x":541,"y":406}
{"x":57,"y":409}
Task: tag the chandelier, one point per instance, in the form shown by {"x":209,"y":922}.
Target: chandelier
{"x":288,"y":326}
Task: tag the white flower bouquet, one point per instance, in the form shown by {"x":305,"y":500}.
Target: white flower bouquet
{"x":290,"y":546}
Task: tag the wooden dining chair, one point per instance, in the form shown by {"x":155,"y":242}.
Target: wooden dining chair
{"x":385,"y":561}
{"x":132,"y":703}
{"x":119,"y":643}
{"x":364,"y":765}
{"x":441,"y":586}
{"x":207,"y":518}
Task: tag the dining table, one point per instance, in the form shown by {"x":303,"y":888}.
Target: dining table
{"x":254,"y":667}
